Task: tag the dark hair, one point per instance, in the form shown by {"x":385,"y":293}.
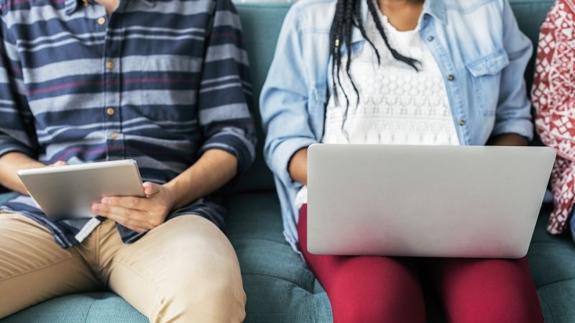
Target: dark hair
{"x":347,"y":16}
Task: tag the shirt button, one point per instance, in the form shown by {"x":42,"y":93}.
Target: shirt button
{"x":101,"y":21}
{"x":110,"y":111}
{"x":430,"y":38}
{"x":450,"y":77}
{"x":109,"y":65}
{"x":114,"y":135}
{"x":462,"y":122}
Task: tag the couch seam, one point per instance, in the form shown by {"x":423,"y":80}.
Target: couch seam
{"x":556,"y":282}
{"x":283,"y":279}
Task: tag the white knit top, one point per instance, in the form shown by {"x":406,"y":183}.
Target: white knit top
{"x":397,"y":105}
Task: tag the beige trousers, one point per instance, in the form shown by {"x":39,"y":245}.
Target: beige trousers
{"x":182,"y":271}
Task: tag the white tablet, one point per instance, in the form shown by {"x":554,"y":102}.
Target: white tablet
{"x":67,"y":192}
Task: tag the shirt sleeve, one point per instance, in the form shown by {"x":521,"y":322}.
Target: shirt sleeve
{"x":513,"y":113}
{"x":284,"y":100}
{"x":225,"y":91}
{"x":17,"y":132}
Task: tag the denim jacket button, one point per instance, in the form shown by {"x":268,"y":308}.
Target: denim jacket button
{"x":430,"y":38}
{"x":462,"y":122}
{"x":450,"y":77}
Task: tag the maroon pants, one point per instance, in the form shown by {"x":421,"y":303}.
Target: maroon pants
{"x":373,"y":289}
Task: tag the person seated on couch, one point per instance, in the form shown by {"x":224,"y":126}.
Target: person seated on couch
{"x":161,"y":82}
{"x":399,"y":72}
{"x":553,"y":96}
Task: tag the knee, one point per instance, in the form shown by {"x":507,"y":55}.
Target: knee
{"x":217,"y":298}
{"x":375,"y":290}
{"x":492,"y":291}
{"x":205,"y":304}
{"x":207,"y":279}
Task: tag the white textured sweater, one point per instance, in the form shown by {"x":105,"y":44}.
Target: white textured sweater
{"x":397,"y":105}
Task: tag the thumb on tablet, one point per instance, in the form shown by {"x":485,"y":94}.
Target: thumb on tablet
{"x":150,"y":188}
{"x":58,"y":163}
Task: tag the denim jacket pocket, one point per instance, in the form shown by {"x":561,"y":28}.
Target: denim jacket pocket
{"x":485,"y":78}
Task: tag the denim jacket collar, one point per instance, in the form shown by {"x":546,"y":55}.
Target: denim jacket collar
{"x":434,"y":8}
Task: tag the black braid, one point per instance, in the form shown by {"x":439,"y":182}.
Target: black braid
{"x":336,"y":42}
{"x":347,"y":16}
{"x":374,"y":14}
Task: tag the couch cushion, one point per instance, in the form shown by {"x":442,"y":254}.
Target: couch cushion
{"x":88,"y":308}
{"x":530,"y":15}
{"x":280,"y":288}
{"x":552,"y":262}
{"x":261,"y":25}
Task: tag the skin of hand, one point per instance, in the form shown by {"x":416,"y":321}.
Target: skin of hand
{"x":214,"y":169}
{"x":139,"y":214}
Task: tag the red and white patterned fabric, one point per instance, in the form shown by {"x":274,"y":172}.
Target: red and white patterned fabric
{"x":553,"y":96}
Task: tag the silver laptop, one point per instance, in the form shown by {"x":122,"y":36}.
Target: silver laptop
{"x":425,"y":201}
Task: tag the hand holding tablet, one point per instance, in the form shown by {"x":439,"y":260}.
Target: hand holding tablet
{"x":67,"y":192}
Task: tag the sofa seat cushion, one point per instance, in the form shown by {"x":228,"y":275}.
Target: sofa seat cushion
{"x":88,"y":308}
{"x":279,"y":286}
{"x":552,"y":262}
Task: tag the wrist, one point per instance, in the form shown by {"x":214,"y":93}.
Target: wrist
{"x":172,"y":195}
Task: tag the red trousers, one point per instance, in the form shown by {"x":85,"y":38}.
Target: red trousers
{"x":371,"y":289}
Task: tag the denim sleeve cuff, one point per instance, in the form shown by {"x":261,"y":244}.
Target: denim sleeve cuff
{"x":234,"y":143}
{"x":521,"y":127}
{"x":283,"y":154}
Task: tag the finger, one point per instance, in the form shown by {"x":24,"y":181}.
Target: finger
{"x":131,"y":219}
{"x":128,"y":202}
{"x":58,"y":163}
{"x":150,"y":188}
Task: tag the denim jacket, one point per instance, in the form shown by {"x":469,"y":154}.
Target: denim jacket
{"x":477,"y":44}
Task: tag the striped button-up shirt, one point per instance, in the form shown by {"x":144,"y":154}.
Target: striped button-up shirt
{"x":158,"y":81}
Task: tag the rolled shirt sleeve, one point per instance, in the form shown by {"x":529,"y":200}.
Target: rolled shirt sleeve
{"x":225,"y":91}
{"x":514,"y":109}
{"x":16,"y":123}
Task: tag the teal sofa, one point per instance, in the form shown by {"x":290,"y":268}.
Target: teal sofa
{"x":279,"y":286}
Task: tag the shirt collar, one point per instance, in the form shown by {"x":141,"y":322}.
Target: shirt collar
{"x":435,"y":8}
{"x":73,"y":5}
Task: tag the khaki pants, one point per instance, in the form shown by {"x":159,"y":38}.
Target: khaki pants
{"x":183,"y":271}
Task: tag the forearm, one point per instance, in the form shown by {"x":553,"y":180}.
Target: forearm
{"x":10,"y":164}
{"x":509,"y":139}
{"x":212,"y":171}
{"x":297,"y":166}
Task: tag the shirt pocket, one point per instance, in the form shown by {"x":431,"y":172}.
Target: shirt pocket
{"x":486,"y":80}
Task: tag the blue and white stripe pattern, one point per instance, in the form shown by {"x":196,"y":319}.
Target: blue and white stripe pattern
{"x":158,"y":81}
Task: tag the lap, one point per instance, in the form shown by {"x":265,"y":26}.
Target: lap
{"x":487,"y":290}
{"x":33,"y":267}
{"x":359,"y":271}
{"x":187,"y":254}
{"x":468,"y":287}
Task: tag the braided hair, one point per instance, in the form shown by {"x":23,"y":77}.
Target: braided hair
{"x":348,"y":15}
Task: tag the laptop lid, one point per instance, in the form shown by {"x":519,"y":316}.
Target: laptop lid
{"x":425,"y":201}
